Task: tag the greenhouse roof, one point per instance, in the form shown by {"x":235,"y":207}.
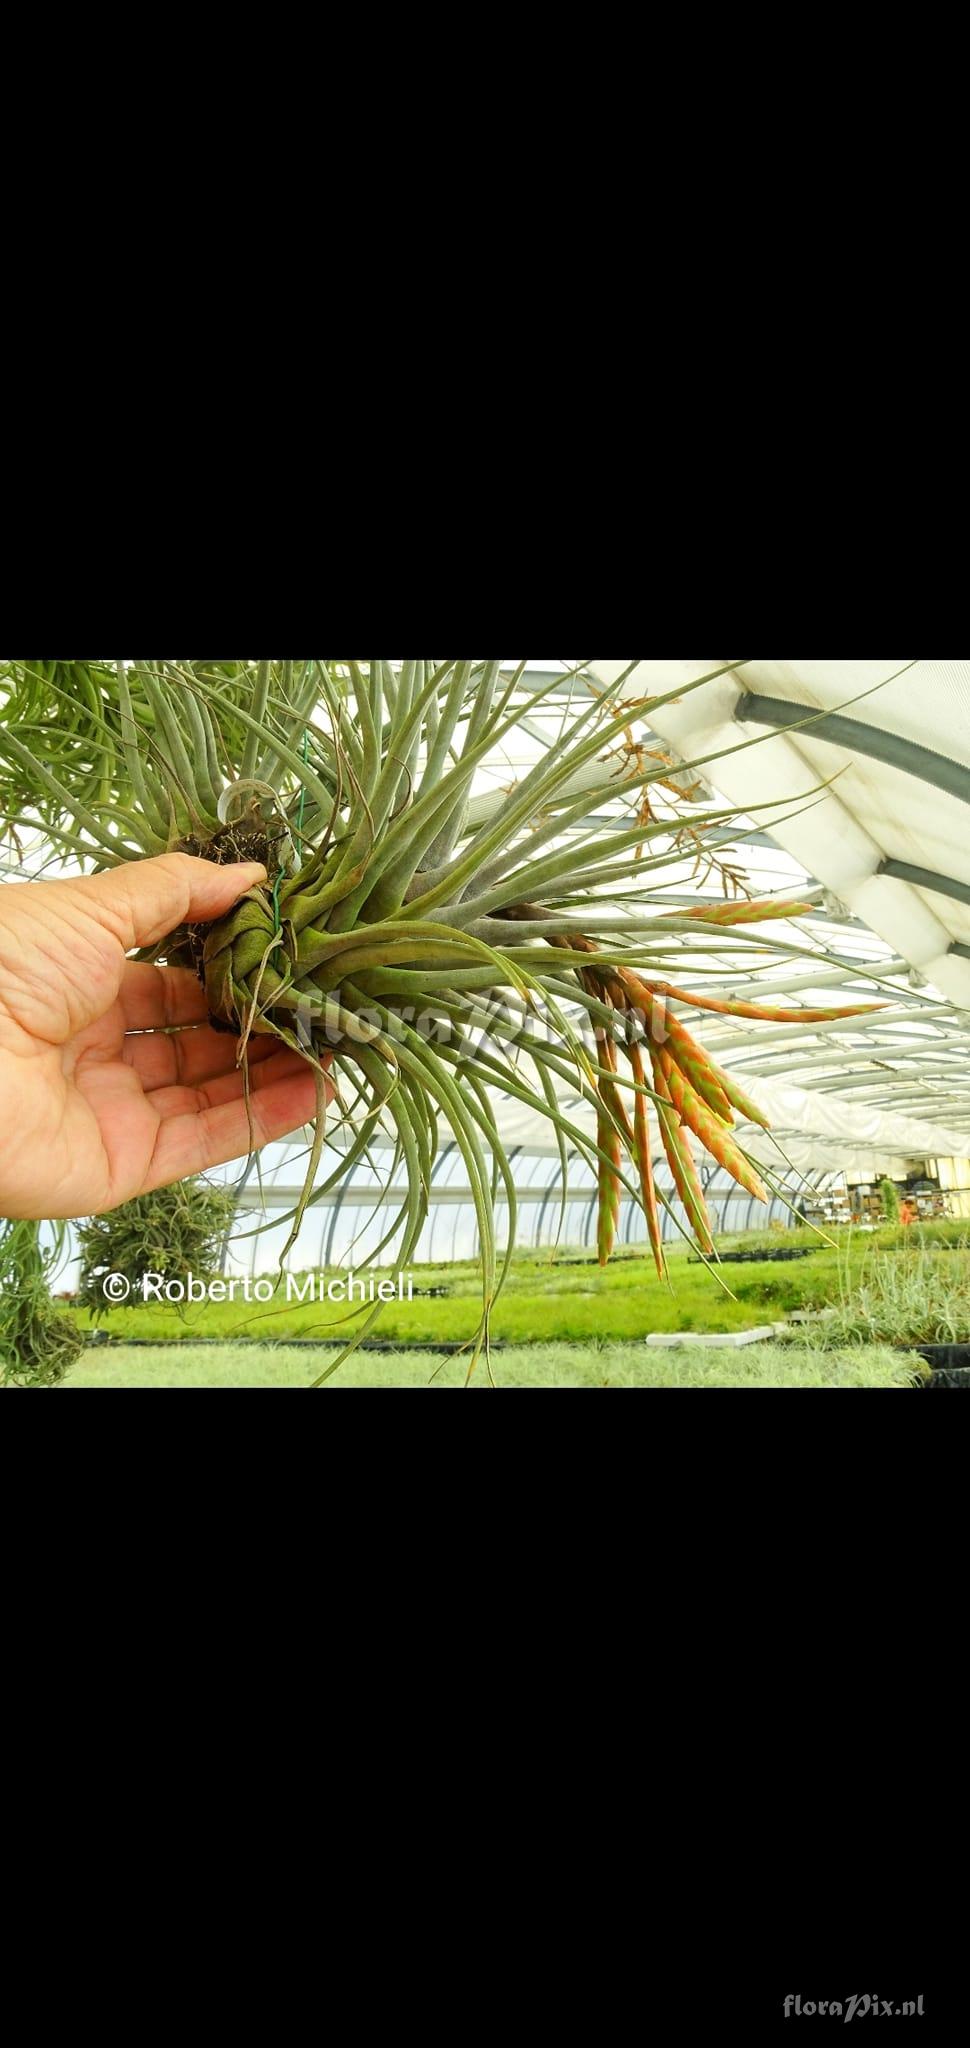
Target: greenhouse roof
{"x":872,"y":760}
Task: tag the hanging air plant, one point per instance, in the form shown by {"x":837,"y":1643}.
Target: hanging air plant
{"x":38,"y":1341}
{"x":417,"y":942}
{"x":173,"y":1232}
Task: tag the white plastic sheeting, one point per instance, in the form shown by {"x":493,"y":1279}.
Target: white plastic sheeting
{"x":818,"y":1130}
{"x":872,"y":811}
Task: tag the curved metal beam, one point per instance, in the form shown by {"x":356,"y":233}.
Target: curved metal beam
{"x":925,"y":878}
{"x":857,"y":738}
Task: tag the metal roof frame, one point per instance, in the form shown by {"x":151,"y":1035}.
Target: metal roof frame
{"x":857,"y":736}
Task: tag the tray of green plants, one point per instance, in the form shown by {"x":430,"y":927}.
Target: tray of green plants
{"x":796,"y":1251}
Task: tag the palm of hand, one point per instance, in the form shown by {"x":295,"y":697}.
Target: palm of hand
{"x":112,"y":1082}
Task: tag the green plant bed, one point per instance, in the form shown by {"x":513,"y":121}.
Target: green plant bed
{"x":947,"y":1232}
{"x":800,"y":1237}
{"x":554,"y":1297}
{"x":908,"y":1246}
{"x":780,"y":1256}
{"x":543,"y":1301}
{"x":904,"y":1302}
{"x":545,"y":1365}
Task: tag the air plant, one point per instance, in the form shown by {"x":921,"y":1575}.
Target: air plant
{"x":38,"y":1341}
{"x":418,"y":942}
{"x":176,"y":1232}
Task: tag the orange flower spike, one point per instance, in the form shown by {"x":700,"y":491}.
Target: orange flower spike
{"x":740,"y":1101}
{"x":606,"y":1048}
{"x":737,"y":913}
{"x":723,"y":1007}
{"x":712,"y":1133}
{"x":673,"y":1037}
{"x":644,"y":1158}
{"x":681,"y":1092}
{"x":608,"y":1139}
{"x":681,"y":1161}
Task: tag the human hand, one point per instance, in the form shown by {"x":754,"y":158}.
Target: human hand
{"x":112,"y":1082}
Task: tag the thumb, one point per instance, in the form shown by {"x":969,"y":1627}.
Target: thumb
{"x":145,"y":900}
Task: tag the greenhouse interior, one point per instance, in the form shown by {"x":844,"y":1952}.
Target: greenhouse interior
{"x":576,"y":1024}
